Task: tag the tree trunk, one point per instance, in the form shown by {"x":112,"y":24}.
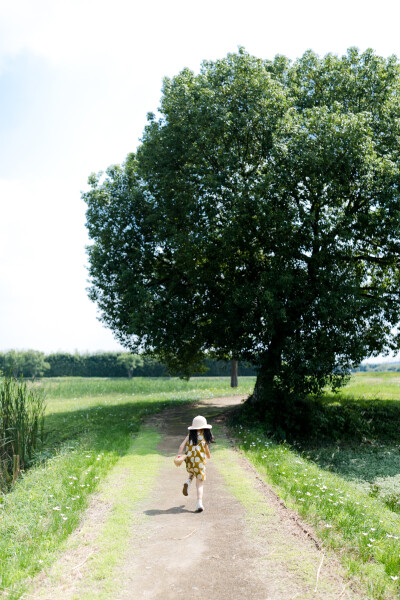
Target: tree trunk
{"x":234,"y":374}
{"x":267,"y":396}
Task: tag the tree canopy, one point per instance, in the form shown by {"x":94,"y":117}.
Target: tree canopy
{"x":258,"y":220}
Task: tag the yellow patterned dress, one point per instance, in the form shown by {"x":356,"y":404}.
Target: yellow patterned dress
{"x":196,"y":457}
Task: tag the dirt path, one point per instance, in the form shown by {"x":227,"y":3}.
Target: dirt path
{"x":244,"y":545}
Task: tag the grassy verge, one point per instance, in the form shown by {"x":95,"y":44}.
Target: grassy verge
{"x":142,"y":463}
{"x":360,"y":528}
{"x":283,"y":553}
{"x":105,"y":543}
{"x":88,"y":431}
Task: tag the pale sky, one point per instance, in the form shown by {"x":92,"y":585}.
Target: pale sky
{"x":77,"y":78}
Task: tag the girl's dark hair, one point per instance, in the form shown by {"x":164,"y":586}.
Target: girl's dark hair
{"x":208,"y":436}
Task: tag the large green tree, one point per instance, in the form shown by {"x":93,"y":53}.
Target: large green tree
{"x":258,"y":220}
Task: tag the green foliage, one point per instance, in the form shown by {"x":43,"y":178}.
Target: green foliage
{"x":21,"y":426}
{"x":258,"y":220}
{"x":99,"y":364}
{"x":28,"y":363}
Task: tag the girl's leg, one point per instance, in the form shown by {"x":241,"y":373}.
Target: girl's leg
{"x":186,"y":485}
{"x":199,"y":486}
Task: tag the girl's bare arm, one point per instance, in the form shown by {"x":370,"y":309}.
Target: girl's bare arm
{"x":182,"y":446}
{"x":207,"y":449}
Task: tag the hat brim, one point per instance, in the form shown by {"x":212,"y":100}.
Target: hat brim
{"x":203,"y":427}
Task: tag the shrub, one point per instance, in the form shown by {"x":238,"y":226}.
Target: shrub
{"x":21,"y":426}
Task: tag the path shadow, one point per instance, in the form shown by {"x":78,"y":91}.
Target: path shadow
{"x":175,"y":510}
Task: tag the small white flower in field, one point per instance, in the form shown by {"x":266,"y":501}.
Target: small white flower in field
{"x":51,"y":496}
{"x":68,"y":507}
{"x":88,"y":456}
{"x":328,"y":526}
{"x":308,"y":494}
{"x":394,"y":577}
{"x":96,"y":477}
{"x":56,"y":508}
{"x":301,"y":499}
{"x":71,"y":483}
{"x":372,"y":529}
{"x":395,"y":537}
{"x":369,"y":545}
{"x":40,"y":561}
{"x":364,"y":533}
{"x":65,"y":518}
{"x":388,"y":535}
{"x":372,"y":540}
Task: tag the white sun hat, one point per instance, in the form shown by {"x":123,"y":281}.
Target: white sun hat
{"x":200,"y":422}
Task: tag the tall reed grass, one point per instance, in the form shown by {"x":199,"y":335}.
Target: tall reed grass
{"x":21,"y":426}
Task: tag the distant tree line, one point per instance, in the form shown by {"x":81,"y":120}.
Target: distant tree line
{"x":32,"y":363}
{"x":378,"y":367}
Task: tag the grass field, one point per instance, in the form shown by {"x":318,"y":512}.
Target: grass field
{"x":385,"y":386}
{"x":89,"y":426}
{"x":348,"y":487}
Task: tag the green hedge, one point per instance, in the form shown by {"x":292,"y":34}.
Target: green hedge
{"x":31,"y":363}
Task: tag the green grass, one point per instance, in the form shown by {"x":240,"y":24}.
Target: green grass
{"x":262,"y":517}
{"x":385,"y":386}
{"x":343,"y":475}
{"x":89,"y":426}
{"x":361,"y":528}
{"x":129,"y":482}
{"x":79,"y":387}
